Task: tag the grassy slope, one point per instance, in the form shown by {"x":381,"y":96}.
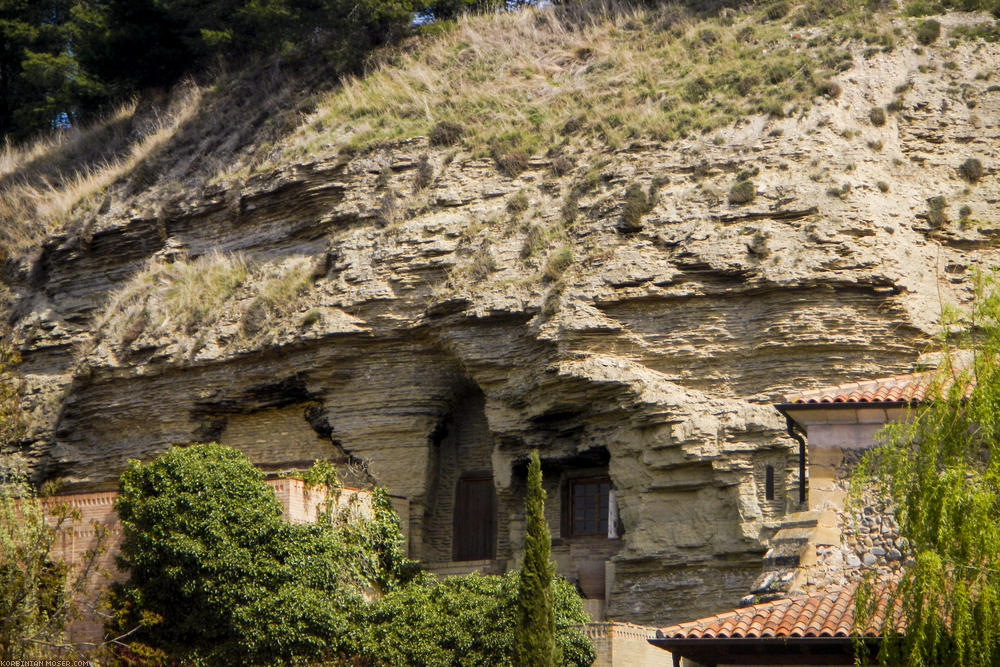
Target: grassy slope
{"x":591,"y":77}
{"x":538,"y":80}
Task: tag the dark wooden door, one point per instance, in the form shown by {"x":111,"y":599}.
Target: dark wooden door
{"x":475,"y":530}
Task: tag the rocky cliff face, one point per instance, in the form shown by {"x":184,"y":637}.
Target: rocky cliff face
{"x":342,"y":307}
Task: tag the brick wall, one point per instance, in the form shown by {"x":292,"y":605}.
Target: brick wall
{"x":625,"y":645}
{"x":466,"y":446}
{"x":278,"y":438}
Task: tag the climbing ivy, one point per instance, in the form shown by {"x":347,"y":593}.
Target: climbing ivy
{"x":940,"y":469}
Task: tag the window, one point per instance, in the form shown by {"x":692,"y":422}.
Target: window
{"x":769,"y":483}
{"x":590,"y":506}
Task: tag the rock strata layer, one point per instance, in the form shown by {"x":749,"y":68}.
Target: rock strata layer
{"x":353,"y":312}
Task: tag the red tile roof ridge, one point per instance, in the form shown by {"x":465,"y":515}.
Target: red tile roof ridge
{"x":829,"y":613}
{"x":902,"y":388}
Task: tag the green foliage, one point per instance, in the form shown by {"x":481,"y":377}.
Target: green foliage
{"x":937,"y":213}
{"x":557,"y":263}
{"x":988,"y":32}
{"x":446,"y":133}
{"x":742,"y":193}
{"x":637,"y":204}
{"x":928,"y":31}
{"x":467,"y":620}
{"x":940,"y":470}
{"x":534,"y":240}
{"x":36,"y":597}
{"x":62,"y":59}
{"x":877,"y":116}
{"x":38,"y":74}
{"x":841,"y":192}
{"x":34,"y":602}
{"x":217,"y":576}
{"x":424,"y":174}
{"x":777,"y":10}
{"x":922,"y":8}
{"x":535,"y":632}
{"x":518,"y":202}
{"x":971,"y":170}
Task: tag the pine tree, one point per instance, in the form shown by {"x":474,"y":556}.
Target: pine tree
{"x":535,"y":635}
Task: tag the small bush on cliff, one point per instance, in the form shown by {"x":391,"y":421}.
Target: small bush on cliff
{"x":937,"y":213}
{"x":742,"y":193}
{"x":446,"y":133}
{"x":971,"y":170}
{"x":558,"y":261}
{"x":637,"y":204}
{"x":928,"y":31}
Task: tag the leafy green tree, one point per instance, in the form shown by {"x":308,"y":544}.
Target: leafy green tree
{"x":535,"y":633}
{"x":217,"y":576}
{"x":940,"y":470}
{"x":33,"y":601}
{"x":36,"y":596}
{"x":467,"y":620}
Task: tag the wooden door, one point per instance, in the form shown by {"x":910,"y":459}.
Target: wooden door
{"x":475,"y":529}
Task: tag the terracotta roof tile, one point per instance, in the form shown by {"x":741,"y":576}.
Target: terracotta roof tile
{"x":827,"y":614}
{"x":911,"y":388}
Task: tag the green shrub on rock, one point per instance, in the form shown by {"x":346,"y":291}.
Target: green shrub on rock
{"x":971,"y":170}
{"x":743,"y":192}
{"x":928,"y":31}
{"x":936,"y":210}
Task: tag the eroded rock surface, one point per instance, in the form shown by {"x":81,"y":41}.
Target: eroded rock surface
{"x":663,"y":343}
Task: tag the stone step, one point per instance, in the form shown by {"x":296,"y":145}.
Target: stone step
{"x":797,"y":535}
{"x":800,"y":520}
{"x":456,"y":568}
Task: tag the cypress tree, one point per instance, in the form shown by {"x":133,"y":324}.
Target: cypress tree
{"x":535,"y":635}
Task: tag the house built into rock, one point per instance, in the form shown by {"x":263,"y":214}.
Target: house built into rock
{"x":800,"y":611}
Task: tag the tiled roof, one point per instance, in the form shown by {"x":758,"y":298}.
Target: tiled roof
{"x":828,"y":614}
{"x":911,"y":388}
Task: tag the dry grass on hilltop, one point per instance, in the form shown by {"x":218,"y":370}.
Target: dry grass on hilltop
{"x":42,"y":181}
{"x":530,"y":81}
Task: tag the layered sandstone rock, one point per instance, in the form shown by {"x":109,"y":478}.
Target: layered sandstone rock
{"x":662,"y":346}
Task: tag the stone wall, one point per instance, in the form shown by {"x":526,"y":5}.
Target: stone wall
{"x":462,"y":444}
{"x":278,"y":438}
{"x":625,"y":645}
